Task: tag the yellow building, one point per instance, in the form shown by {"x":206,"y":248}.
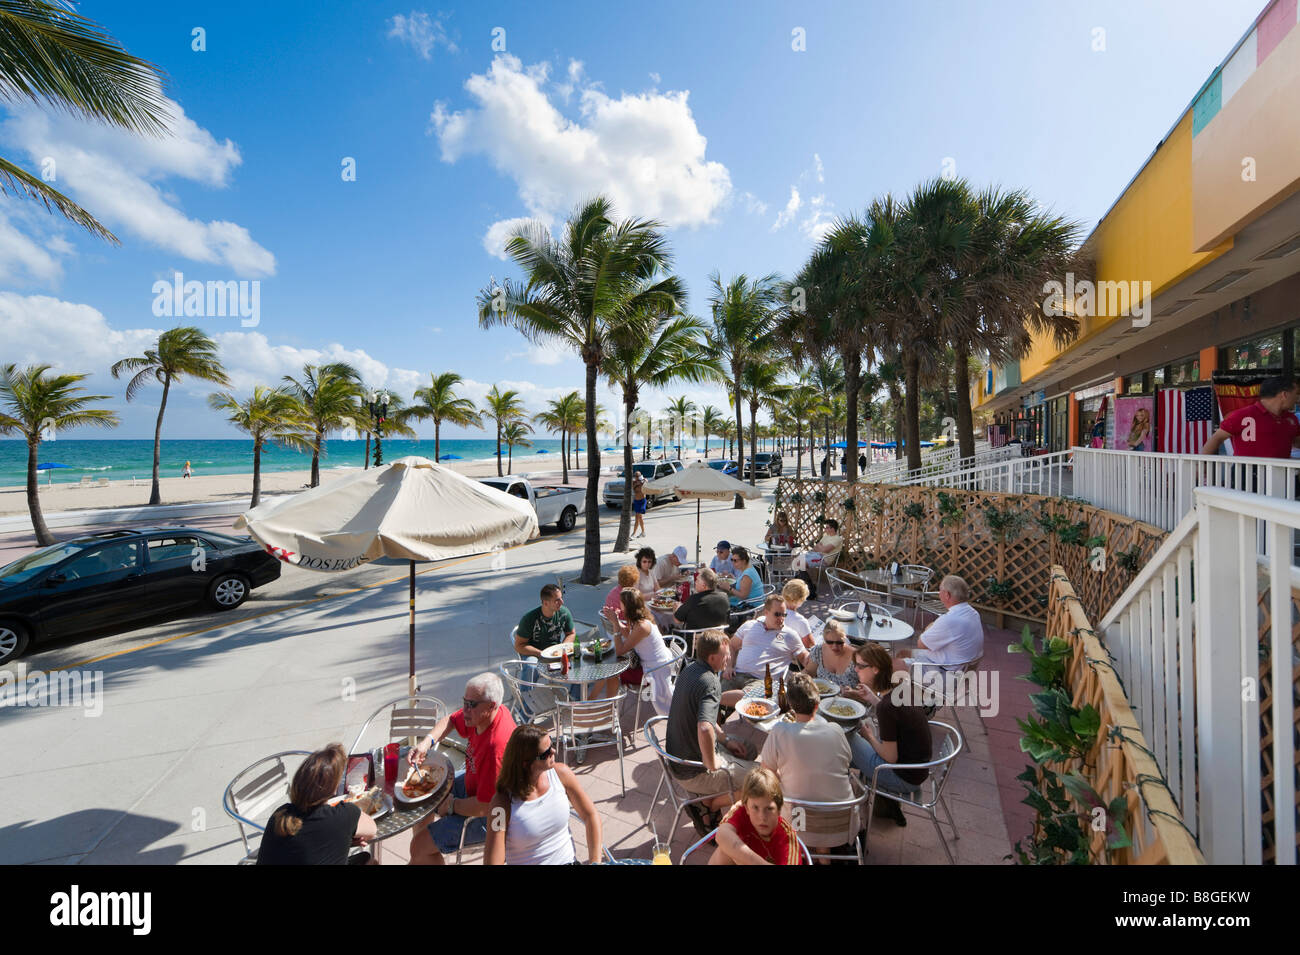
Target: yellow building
{"x":1196,"y":264}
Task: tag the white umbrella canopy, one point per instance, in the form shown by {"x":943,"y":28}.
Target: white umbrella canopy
{"x":411,"y":510}
{"x":699,"y":481}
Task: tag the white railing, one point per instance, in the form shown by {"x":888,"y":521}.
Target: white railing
{"x":1158,"y":488}
{"x":1185,"y":638}
{"x":1047,"y":474}
{"x":938,"y":462}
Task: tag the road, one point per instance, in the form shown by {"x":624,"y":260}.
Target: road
{"x":189,"y":701}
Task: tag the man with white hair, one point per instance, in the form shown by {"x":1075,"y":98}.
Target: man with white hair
{"x":487,"y":726}
{"x":955,"y":638}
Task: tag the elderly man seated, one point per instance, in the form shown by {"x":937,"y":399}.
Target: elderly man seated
{"x":954,"y":639}
{"x":487,"y":726}
{"x":668,"y":567}
{"x":763,"y":642}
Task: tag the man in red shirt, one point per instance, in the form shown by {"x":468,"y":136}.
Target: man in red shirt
{"x":487,"y":725}
{"x":1266,"y":429}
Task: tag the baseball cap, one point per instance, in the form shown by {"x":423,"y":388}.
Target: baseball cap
{"x":723,"y":545}
{"x":679,"y":552}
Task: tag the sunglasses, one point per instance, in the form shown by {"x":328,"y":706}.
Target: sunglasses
{"x":834,"y":643}
{"x":775,"y":614}
{"x":472,"y":704}
{"x":550,"y":751}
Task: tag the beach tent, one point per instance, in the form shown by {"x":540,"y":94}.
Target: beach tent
{"x":700,"y":481}
{"x":411,"y":509}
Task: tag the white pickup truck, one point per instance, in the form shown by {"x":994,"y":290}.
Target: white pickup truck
{"x":554,"y":504}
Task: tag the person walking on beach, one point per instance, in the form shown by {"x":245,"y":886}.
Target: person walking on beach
{"x":638,"y":504}
{"x":187,"y":472}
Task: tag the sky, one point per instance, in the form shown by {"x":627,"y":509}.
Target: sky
{"x":355,"y":166}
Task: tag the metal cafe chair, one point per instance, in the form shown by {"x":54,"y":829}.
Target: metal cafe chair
{"x":678,"y":646}
{"x":949,"y":746}
{"x":701,"y":843}
{"x":258,"y":791}
{"x":530,"y":701}
{"x":833,"y":823}
{"x":915,"y":592}
{"x":410,"y":719}
{"x":678,"y":797}
{"x":845,"y":583}
{"x":950,"y":697}
{"x":589,"y":717}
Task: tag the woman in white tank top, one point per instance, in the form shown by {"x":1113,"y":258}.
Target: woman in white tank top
{"x":638,"y":632}
{"x":528,"y":819}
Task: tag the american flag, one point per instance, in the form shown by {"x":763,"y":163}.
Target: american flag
{"x":1186,"y":419}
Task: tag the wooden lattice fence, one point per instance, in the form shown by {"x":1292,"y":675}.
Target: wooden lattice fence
{"x":1266,"y":719}
{"x":954,"y":531}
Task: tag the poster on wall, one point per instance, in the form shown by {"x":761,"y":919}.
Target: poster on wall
{"x":1133,"y":424}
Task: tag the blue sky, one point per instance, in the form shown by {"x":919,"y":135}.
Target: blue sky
{"x":704,"y":116}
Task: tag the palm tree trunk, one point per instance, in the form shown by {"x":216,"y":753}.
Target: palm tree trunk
{"x":591,"y":546}
{"x":155,"y":495}
{"x":753,"y":441}
{"x":965,"y":420}
{"x":437,"y":441}
{"x":798,"y":451}
{"x":740,"y":440}
{"x":257,"y":472}
{"x":912,"y":415}
{"x":625,"y":516}
{"x":43,"y":536}
{"x":852,"y":384}
{"x":367,"y":464}
{"x":315,"y":457}
{"x":499,"y":474}
{"x":564,"y":454}
{"x":510,"y":458}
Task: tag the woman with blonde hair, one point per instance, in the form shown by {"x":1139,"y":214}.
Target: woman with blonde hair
{"x":1139,"y":430}
{"x":795,"y":593}
{"x":530,"y":812}
{"x":307,"y":830}
{"x":832,"y":659}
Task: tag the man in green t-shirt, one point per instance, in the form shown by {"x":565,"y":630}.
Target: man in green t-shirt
{"x":544,"y":626}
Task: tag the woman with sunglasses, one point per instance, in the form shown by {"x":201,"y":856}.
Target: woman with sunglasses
{"x":832,"y":659}
{"x":528,"y":819}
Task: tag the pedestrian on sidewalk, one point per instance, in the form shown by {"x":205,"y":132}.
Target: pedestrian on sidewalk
{"x":639,"y":503}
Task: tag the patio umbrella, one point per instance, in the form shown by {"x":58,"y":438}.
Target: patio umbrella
{"x":699,"y":481}
{"x":50,"y":467}
{"x":412,"y":510}
{"x":451,"y":457}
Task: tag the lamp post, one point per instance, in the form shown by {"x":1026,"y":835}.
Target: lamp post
{"x":378,"y":412}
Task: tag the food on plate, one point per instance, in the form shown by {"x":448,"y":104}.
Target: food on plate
{"x":824,"y":686}
{"x":759,"y":708}
{"x":424,"y":781}
{"x":841,"y":709}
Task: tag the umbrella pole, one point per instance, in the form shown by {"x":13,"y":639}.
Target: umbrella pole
{"x":412,"y":686}
{"x":697,"y":533}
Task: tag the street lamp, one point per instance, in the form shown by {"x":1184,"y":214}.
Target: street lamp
{"x":378,"y":412}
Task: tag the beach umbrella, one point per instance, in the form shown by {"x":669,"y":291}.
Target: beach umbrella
{"x":411,"y":509}
{"x":451,"y":457}
{"x":701,"y":482}
{"x":543,"y":451}
{"x":50,"y":467}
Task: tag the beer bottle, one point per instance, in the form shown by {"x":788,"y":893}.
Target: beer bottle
{"x":577,"y":650}
{"x":781,"y":702}
{"x":767,"y":682}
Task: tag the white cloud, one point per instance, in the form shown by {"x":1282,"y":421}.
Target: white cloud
{"x":754,"y":205}
{"x":22,"y":257}
{"x":116,"y":176}
{"x":786,"y":215}
{"x":421,"y":32}
{"x":819,"y":220}
{"x":820,"y":169}
{"x":656,"y":79}
{"x":643,"y":150}
{"x":498,"y":233}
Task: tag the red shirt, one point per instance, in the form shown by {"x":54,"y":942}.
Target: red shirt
{"x":1273,"y":434}
{"x":780,"y":848}
{"x":483,"y":760}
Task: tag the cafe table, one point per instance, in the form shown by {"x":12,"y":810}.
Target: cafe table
{"x":883,"y":578}
{"x":588,"y":672}
{"x":402,"y":816}
{"x":880,"y":629}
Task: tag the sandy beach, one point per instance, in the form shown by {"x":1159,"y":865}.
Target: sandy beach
{"x":228,"y":487}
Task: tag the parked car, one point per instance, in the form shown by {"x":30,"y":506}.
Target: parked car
{"x":554,"y":504}
{"x":725,"y":465}
{"x":650,"y":470}
{"x":119,"y":576}
{"x":764,"y":464}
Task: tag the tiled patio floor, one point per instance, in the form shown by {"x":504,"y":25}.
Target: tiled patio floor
{"x":982,"y":791}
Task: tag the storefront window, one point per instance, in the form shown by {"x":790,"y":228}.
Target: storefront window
{"x":1262,"y":352}
{"x":1157,"y":379}
{"x":1185,"y":371}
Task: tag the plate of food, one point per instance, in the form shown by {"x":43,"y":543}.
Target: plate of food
{"x":826,"y":688}
{"x":841,"y":709}
{"x":755,"y":709}
{"x":606,"y":648}
{"x":556,"y":650}
{"x":371,"y":802}
{"x":422,"y":784}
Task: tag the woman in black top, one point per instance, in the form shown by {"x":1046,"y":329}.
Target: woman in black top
{"x":308,"y":831}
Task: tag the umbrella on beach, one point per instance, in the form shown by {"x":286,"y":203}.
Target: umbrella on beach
{"x":50,"y":467}
{"x":700,"y":481}
{"x":451,"y":457}
{"x":412,"y":510}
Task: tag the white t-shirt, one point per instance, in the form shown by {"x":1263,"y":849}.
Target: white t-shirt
{"x":666,"y":572}
{"x":760,"y":646}
{"x":956,"y":637}
{"x":811,"y":758}
{"x":796,"y":621}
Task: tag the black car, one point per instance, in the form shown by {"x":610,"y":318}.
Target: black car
{"x":114,"y":577}
{"x":764,"y":464}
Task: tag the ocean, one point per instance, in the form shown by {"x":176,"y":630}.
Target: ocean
{"x":118,"y":459}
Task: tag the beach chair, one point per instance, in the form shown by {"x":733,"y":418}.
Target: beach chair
{"x":87,"y":482}
{"x":101,"y":482}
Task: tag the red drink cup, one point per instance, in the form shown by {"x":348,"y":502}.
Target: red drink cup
{"x":391,"y":752}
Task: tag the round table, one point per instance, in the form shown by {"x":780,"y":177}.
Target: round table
{"x":404,"y":816}
{"x":881,"y":630}
{"x":904,"y":578}
{"x":588,"y":672}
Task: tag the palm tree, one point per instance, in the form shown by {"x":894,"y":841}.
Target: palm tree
{"x":32,"y":403}
{"x":269,"y":414}
{"x":579,"y":290}
{"x":513,"y":434}
{"x":742,"y":321}
{"x":180,"y":352}
{"x":440,"y":402}
{"x":711,"y":422}
{"x":502,"y":407}
{"x":328,"y":395}
{"x":680,"y":411}
{"x":555,"y":418}
{"x":52,"y":55}
{"x":654,"y":349}
{"x":804,"y":404}
{"x":760,"y":380}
